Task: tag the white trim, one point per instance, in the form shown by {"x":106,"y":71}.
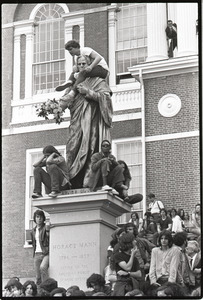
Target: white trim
{"x":126,"y":117}
{"x":38,"y":6}
{"x":53,"y":126}
{"x":172,"y":136}
{"x":178,"y":65}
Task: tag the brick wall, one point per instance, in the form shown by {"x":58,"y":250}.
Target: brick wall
{"x":173,"y":166}
{"x":173,"y":172}
{"x":185,"y":86}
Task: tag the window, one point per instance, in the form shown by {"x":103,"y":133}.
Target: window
{"x":131,"y":37}
{"x":32,"y":156}
{"x":131,"y":152}
{"x":49,"y":52}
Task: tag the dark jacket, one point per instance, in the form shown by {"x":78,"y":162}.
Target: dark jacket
{"x":43,"y":239}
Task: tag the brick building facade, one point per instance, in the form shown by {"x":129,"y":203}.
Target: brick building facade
{"x":160,"y":147}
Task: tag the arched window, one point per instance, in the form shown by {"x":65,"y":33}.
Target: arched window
{"x":49,"y":52}
{"x":131,"y":36}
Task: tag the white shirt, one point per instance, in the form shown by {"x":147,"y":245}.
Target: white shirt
{"x":155,"y":207}
{"x":38,"y":247}
{"x":87,"y":51}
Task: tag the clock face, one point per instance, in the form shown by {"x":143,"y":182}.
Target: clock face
{"x":169,"y":105}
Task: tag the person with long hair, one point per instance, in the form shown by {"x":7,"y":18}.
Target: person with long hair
{"x":127,"y":266}
{"x":56,"y":176}
{"x":165,"y":260}
{"x":40,"y":243}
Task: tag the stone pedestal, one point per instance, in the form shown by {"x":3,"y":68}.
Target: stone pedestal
{"x":80,"y":232}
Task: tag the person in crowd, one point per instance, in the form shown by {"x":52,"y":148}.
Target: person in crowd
{"x":193,"y":255}
{"x":70,"y":290}
{"x":47,"y":286}
{"x":171,"y":33}
{"x":177,"y":222}
{"x":57,"y":176}
{"x":164,"y":223}
{"x":165,"y":261}
{"x":180,"y":241}
{"x":97,"y":282}
{"x":106,"y":172}
{"x":91,"y":113}
{"x":97,"y":67}
{"x":155,"y":206}
{"x":146,"y":221}
{"x":188,"y":225}
{"x":40,"y":243}
{"x":171,"y":290}
{"x":181,"y":213}
{"x":138,"y":221}
{"x":109,"y":271}
{"x":131,"y":199}
{"x":127,"y":266}
{"x":151,"y":230}
{"x":29,"y":289}
{"x":196,"y":221}
{"x":13,"y":288}
{"x":58,"y":292}
{"x":134,"y":293}
{"x":144,"y":248}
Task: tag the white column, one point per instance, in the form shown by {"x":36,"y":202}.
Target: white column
{"x":82,"y":35}
{"x":187,"y":14}
{"x":156,"y":36}
{"x":68,"y":57}
{"x":112,"y":45}
{"x":16,"y":68}
{"x":28,"y":65}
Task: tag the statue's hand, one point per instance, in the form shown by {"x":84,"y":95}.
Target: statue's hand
{"x":81,"y":89}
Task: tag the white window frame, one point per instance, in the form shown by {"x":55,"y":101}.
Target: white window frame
{"x":122,"y":141}
{"x":29,"y":169}
{"x":23,"y":110}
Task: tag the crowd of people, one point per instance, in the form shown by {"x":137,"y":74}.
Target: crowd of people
{"x":144,"y":258}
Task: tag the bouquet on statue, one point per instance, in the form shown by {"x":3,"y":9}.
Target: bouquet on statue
{"x":50,"y":107}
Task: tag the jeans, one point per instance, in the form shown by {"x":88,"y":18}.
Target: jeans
{"x":52,"y":180}
{"x":97,"y":71}
{"x":41,"y":263}
{"x":114,"y":176}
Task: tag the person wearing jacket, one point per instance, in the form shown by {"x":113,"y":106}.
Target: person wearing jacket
{"x":57,"y":176}
{"x":40,"y":243}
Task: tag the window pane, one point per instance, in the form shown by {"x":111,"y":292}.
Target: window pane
{"x":48,"y":46}
{"x":131,"y":33}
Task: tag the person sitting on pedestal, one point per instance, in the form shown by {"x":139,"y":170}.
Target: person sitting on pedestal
{"x":57,"y":176}
{"x":106,"y":171}
{"x":171,"y":33}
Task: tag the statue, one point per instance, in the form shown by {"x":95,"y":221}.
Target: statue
{"x":91,"y":119}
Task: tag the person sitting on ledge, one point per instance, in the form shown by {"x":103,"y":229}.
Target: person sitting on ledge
{"x":57,"y":176}
{"x":106,"y":171}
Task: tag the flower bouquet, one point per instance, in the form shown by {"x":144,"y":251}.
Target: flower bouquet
{"x":50,"y":107}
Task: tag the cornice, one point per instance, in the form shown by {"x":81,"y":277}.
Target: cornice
{"x":166,"y":67}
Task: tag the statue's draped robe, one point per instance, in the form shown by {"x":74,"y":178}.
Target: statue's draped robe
{"x":91,"y":120}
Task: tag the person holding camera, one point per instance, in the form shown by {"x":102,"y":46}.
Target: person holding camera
{"x":56,"y":176}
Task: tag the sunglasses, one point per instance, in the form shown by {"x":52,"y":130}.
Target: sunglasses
{"x":105,"y":145}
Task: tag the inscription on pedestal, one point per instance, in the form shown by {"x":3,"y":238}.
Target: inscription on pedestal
{"x":73,"y":262}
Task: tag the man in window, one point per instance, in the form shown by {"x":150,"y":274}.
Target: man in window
{"x":57,"y":176}
{"x":171,"y":33}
